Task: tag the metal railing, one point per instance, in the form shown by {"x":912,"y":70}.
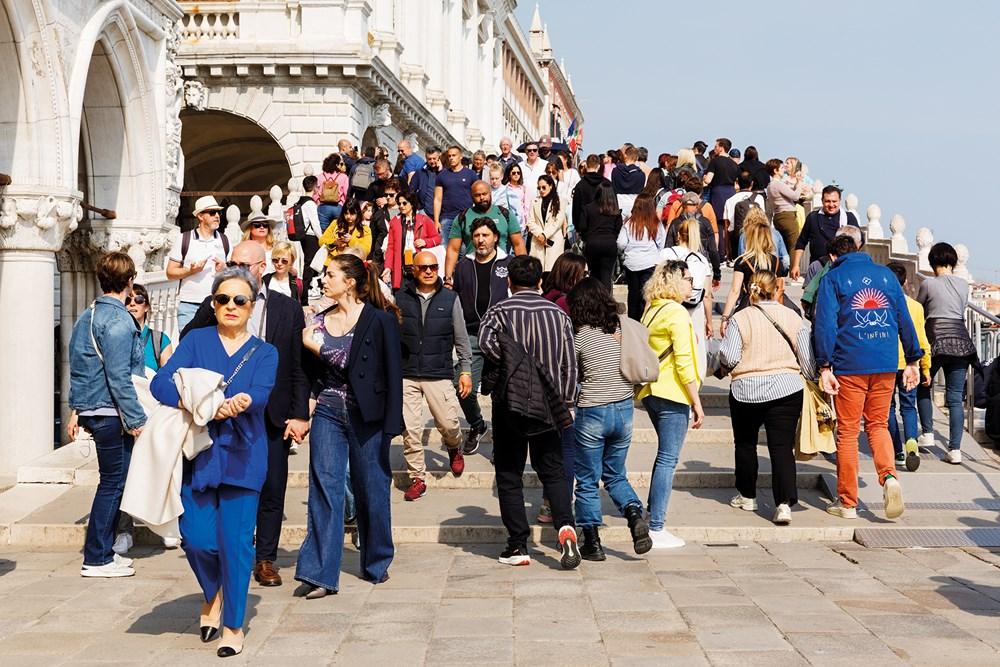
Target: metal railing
{"x":984,"y":329}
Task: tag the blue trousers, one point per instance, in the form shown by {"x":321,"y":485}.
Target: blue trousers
{"x":217,"y":530}
{"x":908,"y":410}
{"x":603,"y":434}
{"x":954,"y":389}
{"x":339,"y":435}
{"x":114,"y":451}
{"x":670,"y":421}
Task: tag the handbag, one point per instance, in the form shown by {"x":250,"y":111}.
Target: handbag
{"x":318,"y":262}
{"x":639,"y":364}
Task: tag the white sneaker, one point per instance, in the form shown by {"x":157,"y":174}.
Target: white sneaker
{"x":665,"y":540}
{"x":926,"y":440}
{"x":746,"y":504}
{"x":842,"y":511}
{"x":123,"y":542}
{"x":892,"y":494}
{"x":116,"y":568}
{"x":171,"y":542}
{"x":954,"y":456}
{"x":782,"y":515}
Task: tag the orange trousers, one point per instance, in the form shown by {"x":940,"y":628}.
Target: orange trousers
{"x":863,"y":396}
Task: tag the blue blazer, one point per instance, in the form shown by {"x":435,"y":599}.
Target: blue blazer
{"x":375,"y":369}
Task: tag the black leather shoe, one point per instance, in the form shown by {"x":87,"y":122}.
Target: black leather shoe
{"x":591,"y":548}
{"x":641,"y":541}
{"x":208,"y":633}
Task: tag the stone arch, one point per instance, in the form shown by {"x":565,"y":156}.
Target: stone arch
{"x":369,"y":139}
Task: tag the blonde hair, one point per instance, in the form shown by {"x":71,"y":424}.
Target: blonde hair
{"x":685,"y":156}
{"x":270,"y":236}
{"x":283,"y":248}
{"x":667,"y":282}
{"x":689,"y":234}
{"x":763,"y":286}
{"x":759,"y":242}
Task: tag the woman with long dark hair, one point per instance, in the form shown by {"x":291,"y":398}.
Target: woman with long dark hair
{"x":547,"y":224}
{"x":409,"y":233}
{"x":359,"y":409}
{"x":599,"y":227}
{"x":349,"y":232}
{"x":641,"y":241}
{"x":513,"y":178}
{"x":603,"y":424}
{"x":568,"y":270}
{"x":330,"y":193}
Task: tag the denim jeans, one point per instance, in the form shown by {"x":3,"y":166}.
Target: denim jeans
{"x":327,"y":214}
{"x":445,"y":229}
{"x":340,"y":435}
{"x":470,"y":404}
{"x":603,"y":436}
{"x":908,"y":410}
{"x":185,"y":313}
{"x":954,"y":388}
{"x":670,"y":421}
{"x":114,"y":451}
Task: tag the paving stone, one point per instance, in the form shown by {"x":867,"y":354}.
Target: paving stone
{"x":384,"y":652}
{"x":641,"y":621}
{"x":909,"y":625}
{"x":709,"y":596}
{"x":478,"y":650}
{"x":741,"y":638}
{"x":953,"y":597}
{"x":725,"y":616}
{"x":565,"y":653}
{"x":648,"y":601}
{"x":302,"y":644}
{"x":651,"y":644}
{"x":466,"y":607}
{"x":928,"y":651}
{"x":473,"y":626}
{"x":826,"y":622}
{"x":789,"y":658}
{"x":398,"y":630}
{"x":831,"y":649}
{"x":877,"y":606}
{"x":549,"y":627}
{"x":794,"y":604}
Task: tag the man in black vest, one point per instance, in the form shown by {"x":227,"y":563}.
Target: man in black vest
{"x":433,"y":326}
{"x":279,"y":320}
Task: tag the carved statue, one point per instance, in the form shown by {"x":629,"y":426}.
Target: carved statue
{"x":381,"y":116}
{"x":45,"y":215}
{"x":195,"y":95}
{"x":925,"y":239}
{"x":875,"y":230}
{"x":897,"y":225}
{"x":8,"y":212}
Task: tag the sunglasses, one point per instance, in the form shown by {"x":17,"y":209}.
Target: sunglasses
{"x":138,"y":300}
{"x":224,"y":299}
{"x":260,"y":225}
{"x":280,"y":260}
{"x":428,"y":268}
{"x":531,"y":150}
{"x":242,"y":265}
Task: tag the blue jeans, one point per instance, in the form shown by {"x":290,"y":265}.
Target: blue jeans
{"x":114,"y":451}
{"x":603,"y":436}
{"x":908,"y":410}
{"x":340,"y":435}
{"x":446,"y":229}
{"x":185,"y":313}
{"x":670,"y":421}
{"x":327,"y":214}
{"x":954,"y":388}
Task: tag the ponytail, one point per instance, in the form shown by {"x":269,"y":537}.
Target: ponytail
{"x":763,"y":286}
{"x":367,"y":287}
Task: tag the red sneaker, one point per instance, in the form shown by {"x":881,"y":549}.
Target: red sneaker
{"x":417,"y":490}
{"x":457,"y":460}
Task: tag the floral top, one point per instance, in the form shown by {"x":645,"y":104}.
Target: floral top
{"x":333,"y":388}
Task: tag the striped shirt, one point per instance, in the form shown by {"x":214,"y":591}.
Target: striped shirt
{"x":763,"y":388}
{"x":599,"y":357}
{"x":542,"y":328}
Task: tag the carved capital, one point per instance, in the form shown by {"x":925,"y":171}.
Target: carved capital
{"x":33,"y":219}
{"x":195,"y":95}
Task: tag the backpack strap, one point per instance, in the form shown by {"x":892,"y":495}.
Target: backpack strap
{"x":225,"y":242}
{"x":156,"y":337}
{"x":185,"y":244}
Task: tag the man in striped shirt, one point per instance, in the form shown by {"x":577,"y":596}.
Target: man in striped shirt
{"x":546,"y":334}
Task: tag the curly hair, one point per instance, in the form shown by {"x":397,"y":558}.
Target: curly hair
{"x":666,"y":282}
{"x":591,"y":305}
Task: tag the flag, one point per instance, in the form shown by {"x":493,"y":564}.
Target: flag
{"x":574,"y":136}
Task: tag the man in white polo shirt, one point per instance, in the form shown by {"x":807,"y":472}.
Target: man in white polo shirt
{"x":195,"y":257}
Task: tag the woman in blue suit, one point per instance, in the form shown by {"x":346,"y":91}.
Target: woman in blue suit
{"x":359,"y":408}
{"x":221,"y":485}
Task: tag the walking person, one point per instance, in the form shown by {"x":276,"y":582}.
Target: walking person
{"x":282,"y":279}
{"x":307,"y":212}
{"x":433,"y":328}
{"x":329,"y":190}
{"x":452,"y":193}
{"x":410,"y":232}
{"x":195,"y":257}
{"x":603,"y":423}
{"x":599,"y":224}
{"x":547,"y":224}
{"x":782,"y":196}
{"x":359,"y":409}
{"x":640,"y":240}
{"x":860,"y":314}
{"x":221,"y":485}
{"x":104,"y":353}
{"x":699,"y":303}
{"x":944,"y":298}
{"x":513,"y":178}
{"x":530,"y":342}
{"x":673,"y":399}
{"x":759,"y":255}
{"x":768,"y":348}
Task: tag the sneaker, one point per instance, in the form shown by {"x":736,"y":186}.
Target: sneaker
{"x":119,"y":567}
{"x":417,"y":490}
{"x":900,"y":458}
{"x":356,"y":539}
{"x":516,"y":556}
{"x":293,"y":449}
{"x":954,"y":456}
{"x":544,"y":514}
{"x":171,"y":542}
{"x":457,"y":461}
{"x":472,"y":439}
{"x":912,"y":455}
{"x":892,"y":494}
{"x":570,"y":553}
{"x":663,"y":539}
{"x":123,"y":542}
{"x":746,"y":504}
{"x":926,"y":440}
{"x":782,"y":515}
{"x":843,"y":511}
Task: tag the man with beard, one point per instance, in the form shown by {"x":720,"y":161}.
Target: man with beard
{"x":482,"y":207}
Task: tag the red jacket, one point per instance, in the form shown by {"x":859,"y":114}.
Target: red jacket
{"x":423,"y":228}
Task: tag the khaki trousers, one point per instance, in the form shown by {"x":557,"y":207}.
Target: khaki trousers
{"x":443,"y":403}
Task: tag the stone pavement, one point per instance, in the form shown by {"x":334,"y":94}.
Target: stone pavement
{"x":725,"y":603}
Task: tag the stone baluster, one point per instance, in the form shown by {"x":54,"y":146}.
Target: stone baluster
{"x":875,"y":230}
{"x":925,"y":239}
{"x":962,"y":268}
{"x":817,"y":192}
{"x":897,"y":225}
{"x":851,"y":203}
{"x":233,"y":231}
{"x":276,"y":211}
{"x":163,"y":304}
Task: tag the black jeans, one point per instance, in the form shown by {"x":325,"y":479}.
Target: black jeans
{"x":601,"y":261}
{"x":779,"y":418}
{"x":310,"y":246}
{"x":636,"y":281}
{"x":271,"y":506}
{"x":509,"y":456}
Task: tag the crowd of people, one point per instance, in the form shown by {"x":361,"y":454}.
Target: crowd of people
{"x":389,"y":289}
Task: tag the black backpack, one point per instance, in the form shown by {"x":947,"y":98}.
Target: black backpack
{"x":186,"y":242}
{"x":742,"y":208}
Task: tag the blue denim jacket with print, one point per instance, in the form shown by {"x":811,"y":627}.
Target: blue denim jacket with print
{"x":95,"y":384}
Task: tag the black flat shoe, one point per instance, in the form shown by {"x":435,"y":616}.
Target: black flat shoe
{"x":231,"y":649}
{"x":228,"y":651}
{"x":208,"y":633}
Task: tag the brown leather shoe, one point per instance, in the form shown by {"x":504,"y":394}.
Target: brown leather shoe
{"x":266,"y":574}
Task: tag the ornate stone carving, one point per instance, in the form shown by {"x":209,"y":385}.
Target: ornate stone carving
{"x":381,"y":116}
{"x":8,"y":213}
{"x":175,"y":98}
{"x":195,"y":95}
{"x":29,"y":221}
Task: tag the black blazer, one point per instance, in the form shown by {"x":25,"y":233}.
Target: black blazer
{"x":284,"y":323}
{"x":374,"y":369}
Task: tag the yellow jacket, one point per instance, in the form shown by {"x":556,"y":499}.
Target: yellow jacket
{"x":670,"y":326}
{"x":330,"y":236}
{"x":917,"y":315}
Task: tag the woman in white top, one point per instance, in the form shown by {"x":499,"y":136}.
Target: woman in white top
{"x":547,"y":224}
{"x":699,"y":303}
{"x":641,"y":239}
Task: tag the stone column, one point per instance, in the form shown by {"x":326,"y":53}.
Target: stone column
{"x":32,"y":227}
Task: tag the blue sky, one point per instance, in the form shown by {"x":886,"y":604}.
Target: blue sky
{"x":898,"y":102}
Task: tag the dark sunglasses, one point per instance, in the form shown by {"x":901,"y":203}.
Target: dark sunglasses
{"x":242,"y":265}
{"x":279,"y":260}
{"x":531,"y":150}
{"x":223,"y":299}
{"x":260,"y":225}
{"x":138,"y":300}
{"x":429,"y":268}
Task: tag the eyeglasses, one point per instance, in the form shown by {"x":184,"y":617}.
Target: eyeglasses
{"x":428,"y":268}
{"x":138,"y":300}
{"x":224,"y":299}
{"x":238,"y":265}
{"x":260,"y":225}
{"x":280,"y":260}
